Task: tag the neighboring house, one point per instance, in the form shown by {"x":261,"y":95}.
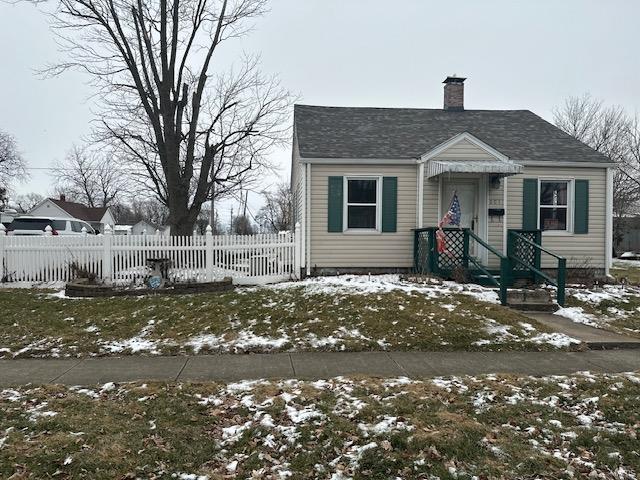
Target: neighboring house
{"x":364,"y":178}
{"x":97,"y":217}
{"x":147,"y":228}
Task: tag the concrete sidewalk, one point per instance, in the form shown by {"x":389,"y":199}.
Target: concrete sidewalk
{"x":595,"y":338}
{"x":309,"y":366}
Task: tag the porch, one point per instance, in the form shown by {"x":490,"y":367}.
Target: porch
{"x":459,"y":254}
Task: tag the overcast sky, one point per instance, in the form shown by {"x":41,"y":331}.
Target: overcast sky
{"x":515,"y":54}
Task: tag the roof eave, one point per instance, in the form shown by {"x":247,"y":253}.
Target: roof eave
{"x":363,"y":161}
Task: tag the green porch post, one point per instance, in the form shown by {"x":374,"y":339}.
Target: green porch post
{"x":432,"y":253}
{"x":504,"y":279}
{"x":562,"y":271}
{"x":465,"y":249}
{"x":538,"y":254}
{"x":415,"y":252}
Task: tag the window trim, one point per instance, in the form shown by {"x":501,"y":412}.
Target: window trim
{"x":346,"y":204}
{"x":570,"y":204}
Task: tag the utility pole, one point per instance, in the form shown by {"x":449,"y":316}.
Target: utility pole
{"x":246,"y":199}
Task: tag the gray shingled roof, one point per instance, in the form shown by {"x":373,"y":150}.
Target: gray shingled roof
{"x":395,"y":133}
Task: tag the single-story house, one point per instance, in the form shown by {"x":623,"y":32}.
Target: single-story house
{"x":364,"y":179}
{"x":97,"y":217}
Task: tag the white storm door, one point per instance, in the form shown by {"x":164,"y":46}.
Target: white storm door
{"x":468,"y":197}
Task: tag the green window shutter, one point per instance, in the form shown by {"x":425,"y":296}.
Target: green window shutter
{"x":581,"y":212}
{"x":334,"y":214}
{"x":389,"y":204}
{"x":530,"y":204}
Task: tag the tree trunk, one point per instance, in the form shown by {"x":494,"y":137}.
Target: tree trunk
{"x":183,"y":219}
{"x":180,"y":218}
{"x":183,"y":226}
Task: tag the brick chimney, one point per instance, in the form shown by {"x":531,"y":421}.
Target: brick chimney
{"x":63,"y":198}
{"x":454,"y":93}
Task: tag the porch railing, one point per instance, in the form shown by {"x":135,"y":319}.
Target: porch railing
{"x":504,"y":279}
{"x":524,"y":250}
{"x":455,"y":254}
{"x":523,"y":259}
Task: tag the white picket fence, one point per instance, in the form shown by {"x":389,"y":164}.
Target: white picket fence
{"x":121,"y":259}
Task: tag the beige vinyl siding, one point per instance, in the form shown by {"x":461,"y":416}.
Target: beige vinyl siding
{"x":495,"y":225}
{"x":431,"y":196}
{"x":343,"y":250}
{"x":464,"y":150}
{"x":578,"y":249}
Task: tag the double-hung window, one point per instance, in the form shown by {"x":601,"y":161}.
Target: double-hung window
{"x":554,"y":214}
{"x":362,"y":201}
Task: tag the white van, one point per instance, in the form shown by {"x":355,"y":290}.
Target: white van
{"x":28,"y":225}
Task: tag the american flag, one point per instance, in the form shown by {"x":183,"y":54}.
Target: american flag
{"x":452,"y":217}
{"x":454,"y":211}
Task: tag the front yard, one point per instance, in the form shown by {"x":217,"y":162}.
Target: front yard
{"x":581,"y":426}
{"x":352,"y":313}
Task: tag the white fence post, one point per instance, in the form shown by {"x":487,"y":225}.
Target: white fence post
{"x":297,"y":245}
{"x":107,"y":240}
{"x":3,"y":236}
{"x":48,"y":231}
{"x":209,"y":253}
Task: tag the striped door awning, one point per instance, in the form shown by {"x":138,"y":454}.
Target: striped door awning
{"x":502,"y":167}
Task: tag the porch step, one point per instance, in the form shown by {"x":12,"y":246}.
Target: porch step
{"x":537,"y":300}
{"x":485,"y":280}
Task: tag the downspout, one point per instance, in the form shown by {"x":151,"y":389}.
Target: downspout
{"x":608,"y":222}
{"x":505,"y":227}
{"x":302,"y":191}
{"x":420,"y":199}
{"x":307,"y":179}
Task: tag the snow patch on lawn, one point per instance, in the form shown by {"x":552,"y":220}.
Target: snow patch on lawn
{"x":61,"y":294}
{"x":578,"y":315}
{"x":374,"y":284}
{"x":558,"y":340}
{"x":189,"y":476}
{"x":595,"y":296}
{"x":245,"y":340}
{"x":625,"y":263}
{"x":136,"y":344}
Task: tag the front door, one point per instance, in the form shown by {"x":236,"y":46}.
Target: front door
{"x":467,"y":191}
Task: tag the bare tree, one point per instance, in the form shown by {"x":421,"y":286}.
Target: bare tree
{"x":89,"y":177}
{"x":242,"y":225}
{"x":25,"y":202}
{"x":149,"y":210}
{"x":185,"y":123}
{"x":631,"y":163}
{"x":609,"y":130}
{"x":579,"y":117}
{"x":277,"y":212}
{"x":12,"y":165}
